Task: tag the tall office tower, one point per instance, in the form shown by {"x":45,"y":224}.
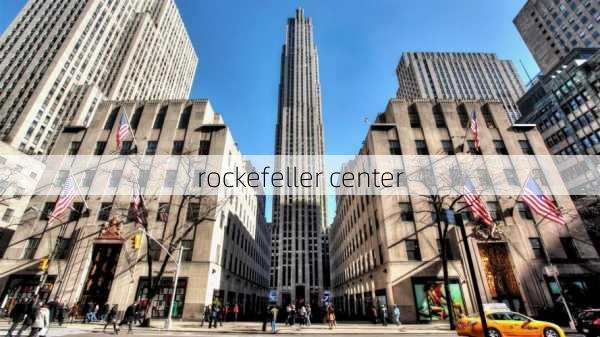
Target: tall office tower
{"x":552,"y":28}
{"x":299,"y":217}
{"x":58,"y":57}
{"x":462,"y":76}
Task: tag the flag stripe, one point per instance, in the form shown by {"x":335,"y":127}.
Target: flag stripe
{"x":66,"y":197}
{"x":123,"y":131}
{"x":541,"y":204}
{"x":475,"y":203}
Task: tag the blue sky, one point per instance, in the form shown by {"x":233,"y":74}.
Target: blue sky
{"x":359,"y":43}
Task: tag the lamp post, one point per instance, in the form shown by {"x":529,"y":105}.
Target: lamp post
{"x":170,"y":314}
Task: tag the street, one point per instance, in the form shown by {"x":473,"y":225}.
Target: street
{"x":182,"y":329}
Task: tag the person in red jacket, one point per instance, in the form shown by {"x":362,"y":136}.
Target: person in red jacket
{"x":236,"y":311}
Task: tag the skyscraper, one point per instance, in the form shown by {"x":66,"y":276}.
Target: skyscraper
{"x":299,"y":219}
{"x":462,"y":76}
{"x":59,"y":57}
{"x":551,"y":29}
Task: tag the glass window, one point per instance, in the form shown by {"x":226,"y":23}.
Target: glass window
{"x":448,"y":249}
{"x":569,"y":247}
{"x":30,"y":249}
{"x":104,"y":213}
{"x":126,"y":147}
{"x":135,"y":119}
{"x":62,"y":248}
{"x":414,"y":120}
{"x":115,"y":178}
{"x":151,"y":147}
{"x":421,"y":147}
{"x":177,"y":147}
{"x":204,"y":148}
{"x":500,"y":147}
{"x":188,"y":250}
{"x":160,"y":118}
{"x":495,"y":211}
{"x":439,"y":119}
{"x":413,"y":252}
{"x":536,"y":246}
{"x":395,"y":147}
{"x":525,"y":146}
{"x":76,"y":211}
{"x":110,"y":121}
{"x":524,"y":211}
{"x":99,"y":150}
{"x":170,"y":178}
{"x":511,"y":177}
{"x":74,"y":148}
{"x":193,"y":212}
{"x":447,"y":147}
{"x":184,"y":118}
{"x":406,"y":211}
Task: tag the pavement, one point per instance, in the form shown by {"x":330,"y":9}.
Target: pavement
{"x":187,"y":328}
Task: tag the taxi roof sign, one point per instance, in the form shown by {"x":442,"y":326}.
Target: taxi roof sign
{"x":495,"y":307}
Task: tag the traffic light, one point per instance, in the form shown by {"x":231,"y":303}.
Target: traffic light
{"x":43,"y":265}
{"x":136,"y":241}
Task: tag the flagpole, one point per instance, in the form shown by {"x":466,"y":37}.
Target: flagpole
{"x":547,"y":259}
{"x":79,"y":190}
{"x":130,"y":130}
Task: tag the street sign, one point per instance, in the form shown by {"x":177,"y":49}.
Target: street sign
{"x":273,"y":296}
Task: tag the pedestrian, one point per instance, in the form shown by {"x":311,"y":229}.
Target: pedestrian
{"x":236,"y":311}
{"x":302,"y":315}
{"x":221,"y":315}
{"x":397,"y":314}
{"x":265,"y":318}
{"x":17,"y":314}
{"x":31,"y":313}
{"x":139,"y":312}
{"x":293,"y":315}
{"x":73,"y":312}
{"x":331,"y":316}
{"x":214,"y":316}
{"x":384,"y":315}
{"x":308,"y":314}
{"x":41,"y":321}
{"x":111,"y":318}
{"x":90,"y":316}
{"x":274,"y":312}
{"x":129,"y":317}
{"x":225,"y":312}
{"x":206,"y":315}
{"x":374,"y":314}
{"x":60,"y":313}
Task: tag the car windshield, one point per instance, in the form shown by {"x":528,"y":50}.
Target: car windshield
{"x":508,"y":316}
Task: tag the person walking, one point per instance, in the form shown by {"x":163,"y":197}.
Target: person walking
{"x":265,"y":318}
{"x":31,"y":313}
{"x":60,"y":313}
{"x":222,"y":315}
{"x":129,"y":317}
{"x":236,"y":311}
{"x":17,"y":315}
{"x":274,"y":312}
{"x":73,"y":312}
{"x":331,"y":316}
{"x":111,"y":318}
{"x":384,"y":315}
{"x":206,"y":315}
{"x":308,"y":314}
{"x":396,"y":314}
{"x":214,"y":316}
{"x":41,"y":322}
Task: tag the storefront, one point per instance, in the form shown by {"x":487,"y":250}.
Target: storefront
{"x":162,"y":300}
{"x":430,"y":299}
{"x":23,"y":286}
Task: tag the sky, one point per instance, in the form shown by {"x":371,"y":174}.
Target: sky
{"x":359,"y":44}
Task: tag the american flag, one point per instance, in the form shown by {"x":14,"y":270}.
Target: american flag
{"x":540,"y":203}
{"x":65,"y":199}
{"x":475,"y":129}
{"x":163,"y":212}
{"x":476,"y":204}
{"x":136,"y":203}
{"x":123,"y":131}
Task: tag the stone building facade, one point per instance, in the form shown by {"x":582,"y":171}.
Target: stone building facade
{"x":227,"y":255}
{"x":59,"y":57}
{"x":385,"y":249}
{"x":551,"y":29}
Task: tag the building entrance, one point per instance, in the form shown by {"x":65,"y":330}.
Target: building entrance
{"x":102,"y":272}
{"x":499,"y":275}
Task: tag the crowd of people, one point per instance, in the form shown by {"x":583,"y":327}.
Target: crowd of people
{"x":30,"y":314}
{"x":294,"y":316}
{"x":216,"y":314}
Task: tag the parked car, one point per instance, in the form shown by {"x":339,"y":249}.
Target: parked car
{"x":588,"y":322}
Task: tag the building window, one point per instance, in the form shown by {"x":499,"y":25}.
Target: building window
{"x":48,"y":207}
{"x":447,"y":147}
{"x":61,"y":178}
{"x":193,"y":212}
{"x":406,"y":212}
{"x":30,"y":249}
{"x":414,"y":120}
{"x":177,"y":147}
{"x":448,"y":249}
{"x":126,"y":147}
{"x":536,"y":246}
{"x":62,"y":248}
{"x":74,"y":148}
{"x":472,"y":148}
{"x":395,"y":147}
{"x":110,"y":121}
{"x":412,"y":250}
{"x":163,"y":212}
{"x":151,"y":147}
{"x":569,"y":247}
{"x":155,"y":250}
{"x":99,"y":149}
{"x":204,"y":148}
{"x":184,"y":118}
{"x":143,"y":177}
{"x":104,"y":212}
{"x":421,"y":147}
{"x":439,"y":119}
{"x":135,"y":119}
{"x":8,"y":214}
{"x":511,"y":177}
{"x":525,"y":146}
{"x":188,"y":250}
{"x":500,"y":147}
{"x":489,"y":120}
{"x":170,"y":177}
{"x":76,"y":211}
{"x":464,"y":118}
{"x":524,"y":211}
{"x":495,"y":211}
{"x":115,"y":178}
{"x":160,"y":118}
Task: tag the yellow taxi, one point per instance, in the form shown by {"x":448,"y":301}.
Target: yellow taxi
{"x":506,"y":323}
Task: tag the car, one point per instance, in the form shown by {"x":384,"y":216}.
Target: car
{"x":507,"y":324}
{"x":588,"y":322}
